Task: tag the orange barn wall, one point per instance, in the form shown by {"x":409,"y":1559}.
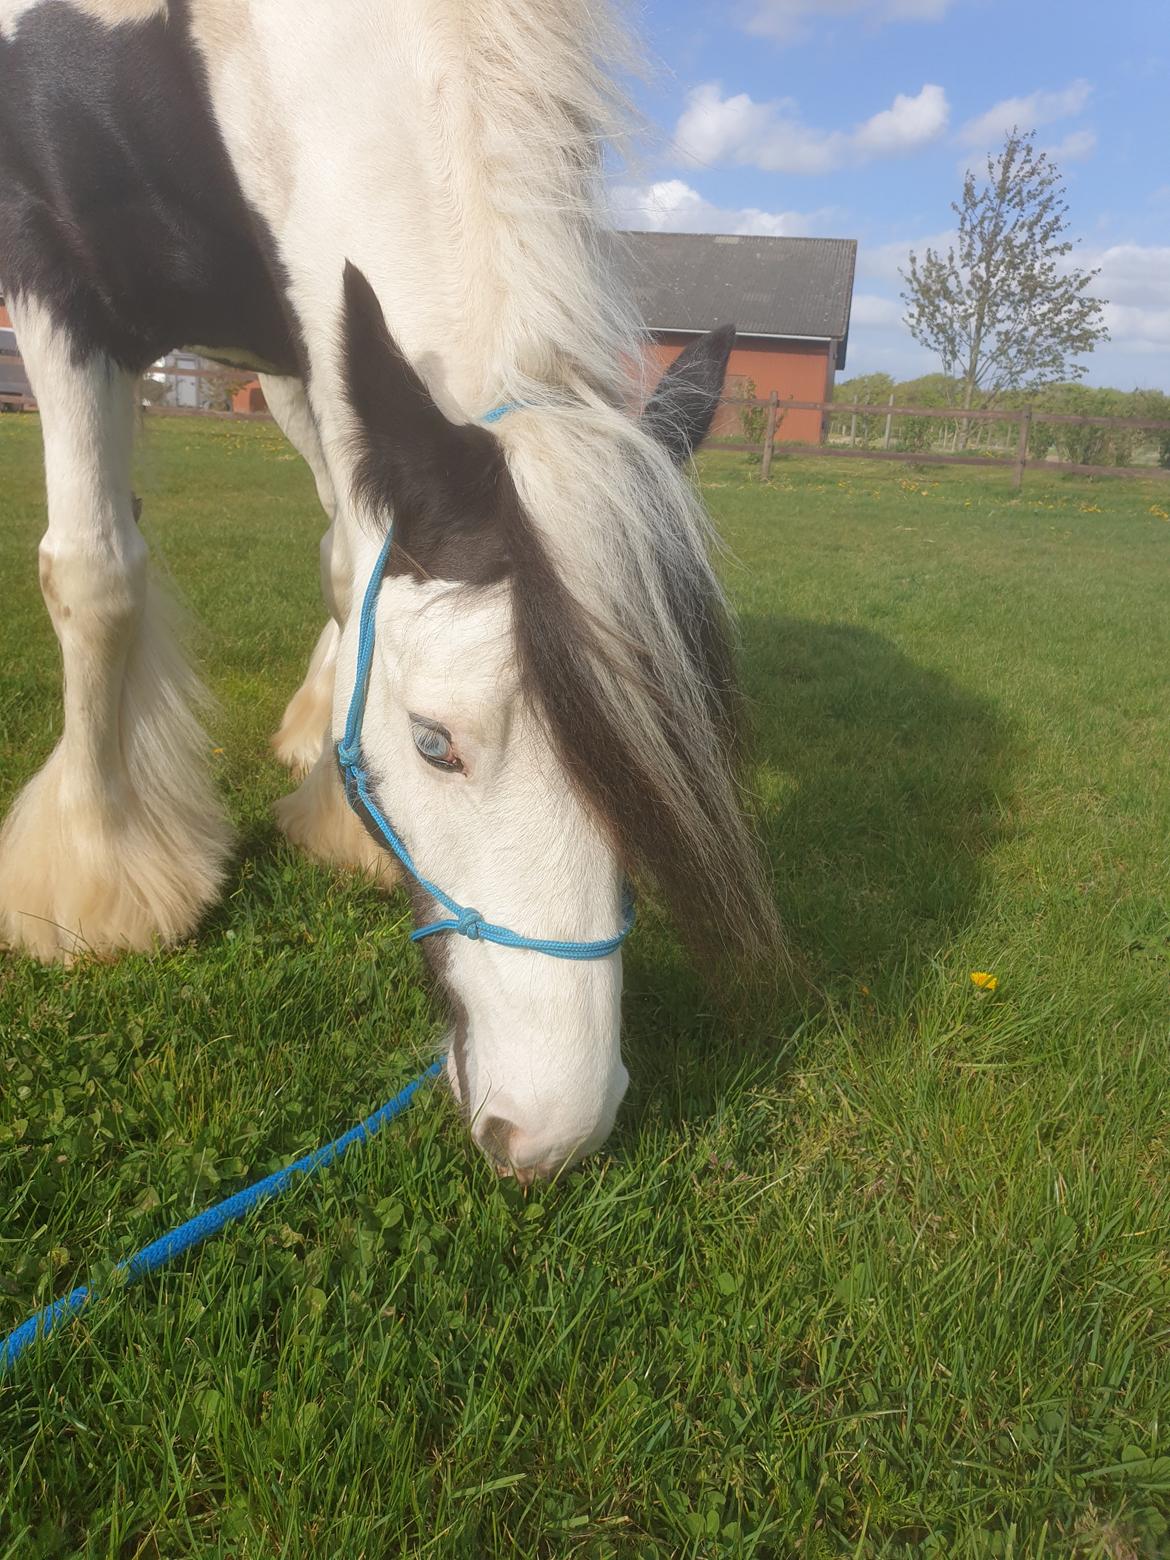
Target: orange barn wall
{"x":796,"y":370}
{"x":249,"y":398}
{"x":5,"y":322}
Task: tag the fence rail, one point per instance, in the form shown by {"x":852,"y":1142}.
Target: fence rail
{"x":1023,"y":419}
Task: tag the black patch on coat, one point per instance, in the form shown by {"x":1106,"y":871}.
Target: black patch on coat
{"x":119,"y":207}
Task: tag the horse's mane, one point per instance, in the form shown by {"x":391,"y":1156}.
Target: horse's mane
{"x":624,"y":642}
{"x":621,"y":626}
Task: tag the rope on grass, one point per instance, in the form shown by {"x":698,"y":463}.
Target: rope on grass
{"x":204,"y":1225}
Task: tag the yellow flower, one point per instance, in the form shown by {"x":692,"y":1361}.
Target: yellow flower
{"x":984,"y":981}
{"x":1159,"y":514}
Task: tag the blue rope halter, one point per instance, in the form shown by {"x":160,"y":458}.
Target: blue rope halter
{"x":461,"y":919}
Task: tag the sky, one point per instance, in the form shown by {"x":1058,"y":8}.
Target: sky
{"x":858,"y":118}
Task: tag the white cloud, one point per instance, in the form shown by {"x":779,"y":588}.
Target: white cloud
{"x":1136,"y":274}
{"x":1135,"y":281}
{"x":771,"y":136}
{"x":883,"y":262}
{"x":871,"y":310}
{"x":1134,"y":278}
{"x":790,"y":20}
{"x":671,"y":206}
{"x":911,"y":122}
{"x":1029,"y":113}
{"x":1076,"y":145}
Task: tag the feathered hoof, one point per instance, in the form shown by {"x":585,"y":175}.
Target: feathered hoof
{"x":97,"y":876}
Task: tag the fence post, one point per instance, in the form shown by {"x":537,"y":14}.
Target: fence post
{"x":853,"y":431}
{"x":1022,"y":446}
{"x":889,"y":420}
{"x":769,"y":438}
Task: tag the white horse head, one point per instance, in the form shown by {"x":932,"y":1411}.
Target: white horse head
{"x":549,"y":709}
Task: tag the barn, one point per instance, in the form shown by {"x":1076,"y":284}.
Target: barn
{"x":789,"y":298}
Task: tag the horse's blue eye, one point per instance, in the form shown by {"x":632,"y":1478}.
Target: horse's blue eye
{"x":434,"y":744}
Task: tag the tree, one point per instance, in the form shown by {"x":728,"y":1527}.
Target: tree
{"x":1004,"y":309}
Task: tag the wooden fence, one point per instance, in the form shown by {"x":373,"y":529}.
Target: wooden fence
{"x":1023,"y":420}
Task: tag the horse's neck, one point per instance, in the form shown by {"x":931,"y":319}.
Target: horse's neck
{"x":448,"y":150}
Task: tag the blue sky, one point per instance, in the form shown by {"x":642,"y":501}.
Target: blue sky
{"x":856,"y":119}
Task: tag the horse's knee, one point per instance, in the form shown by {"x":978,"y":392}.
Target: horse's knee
{"x":99,"y":589}
{"x":336,"y":574}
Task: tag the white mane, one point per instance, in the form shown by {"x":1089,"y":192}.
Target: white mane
{"x":520,"y":138}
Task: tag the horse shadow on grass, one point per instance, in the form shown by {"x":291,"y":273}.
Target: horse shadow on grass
{"x":882,"y":785}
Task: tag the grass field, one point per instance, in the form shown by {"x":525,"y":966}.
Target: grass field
{"x":884,"y":1271}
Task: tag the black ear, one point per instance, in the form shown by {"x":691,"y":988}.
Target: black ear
{"x":392,"y":403}
{"x":445,"y":485}
{"x":679,"y":412}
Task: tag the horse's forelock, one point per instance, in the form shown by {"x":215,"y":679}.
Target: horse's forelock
{"x":624,"y":645}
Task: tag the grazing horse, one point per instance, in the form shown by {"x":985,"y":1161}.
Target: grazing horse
{"x":392,"y":209}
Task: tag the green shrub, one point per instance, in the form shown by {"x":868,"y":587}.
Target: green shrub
{"x":914,"y":434}
{"x":753,"y":419}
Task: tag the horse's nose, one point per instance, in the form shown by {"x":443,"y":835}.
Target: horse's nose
{"x":505,"y":1145}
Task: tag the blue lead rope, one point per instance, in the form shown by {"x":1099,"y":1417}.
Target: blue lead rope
{"x":206,"y":1224}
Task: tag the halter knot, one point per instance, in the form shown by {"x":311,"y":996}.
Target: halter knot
{"x":468,"y":924}
{"x":348,"y":756}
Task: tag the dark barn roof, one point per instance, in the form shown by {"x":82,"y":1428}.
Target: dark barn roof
{"x":790,"y":287}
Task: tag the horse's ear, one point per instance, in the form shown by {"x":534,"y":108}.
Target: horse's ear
{"x":680,"y":411}
{"x":445,"y":484}
{"x":390,"y":399}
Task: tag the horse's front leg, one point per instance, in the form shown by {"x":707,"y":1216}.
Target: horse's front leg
{"x":316,"y":816}
{"x":119,"y":841}
{"x":304,"y":726}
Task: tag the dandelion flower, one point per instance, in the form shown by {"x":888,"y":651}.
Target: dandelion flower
{"x":984,"y":981}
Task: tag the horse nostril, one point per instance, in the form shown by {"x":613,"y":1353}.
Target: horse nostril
{"x":497,"y":1137}
{"x":494,"y":1135}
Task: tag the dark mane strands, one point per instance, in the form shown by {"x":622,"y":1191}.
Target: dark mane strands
{"x":712,"y":885}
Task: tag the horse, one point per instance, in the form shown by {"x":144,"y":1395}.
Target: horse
{"x":398,"y":218}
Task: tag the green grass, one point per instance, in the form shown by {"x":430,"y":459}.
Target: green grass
{"x":882,"y":1272}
